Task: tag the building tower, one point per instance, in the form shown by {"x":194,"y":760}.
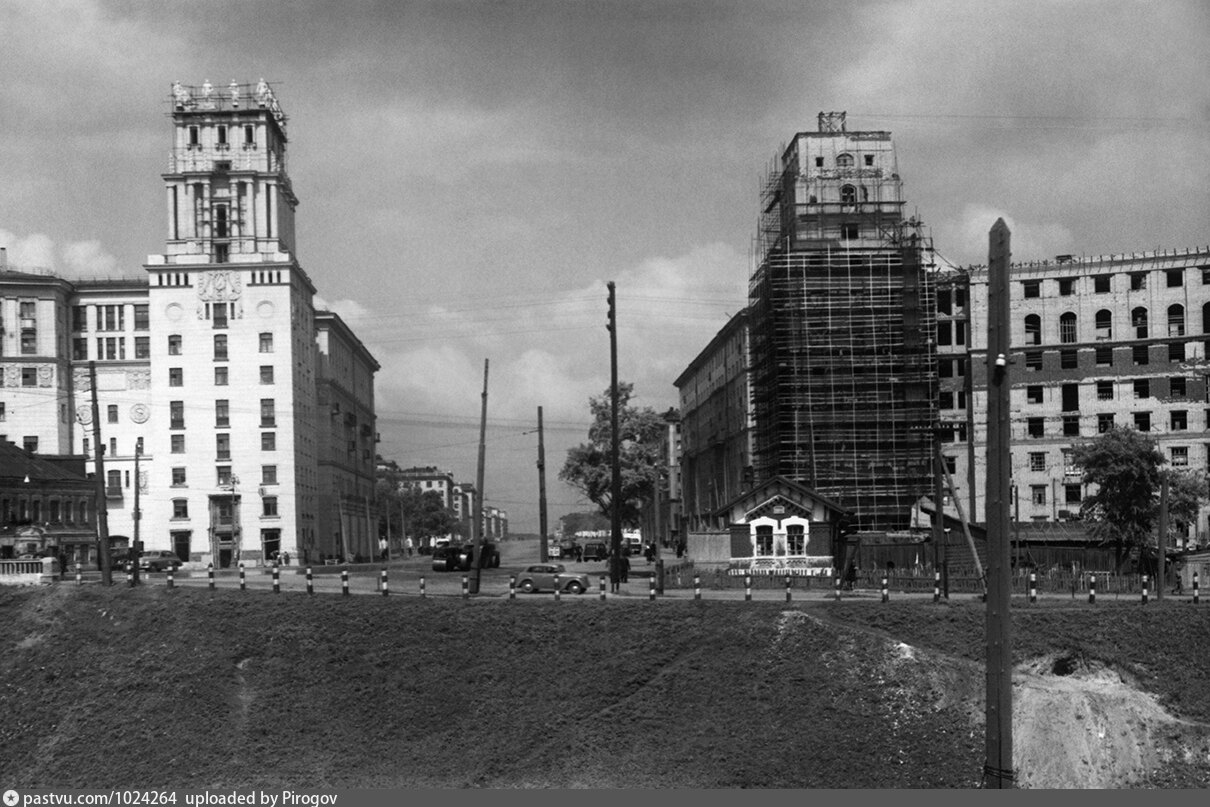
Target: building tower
{"x":842,"y":319}
{"x":234,"y":391}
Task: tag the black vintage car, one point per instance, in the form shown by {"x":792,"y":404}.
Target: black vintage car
{"x":489,"y":556}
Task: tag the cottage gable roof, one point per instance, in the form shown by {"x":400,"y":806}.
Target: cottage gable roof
{"x":795,"y":499}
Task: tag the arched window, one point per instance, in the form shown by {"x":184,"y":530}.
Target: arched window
{"x":1104,"y":324}
{"x":1206,"y":318}
{"x":796,"y":540}
{"x":1033,"y":329}
{"x":865,"y":193}
{"x":848,"y":195}
{"x":1138,"y":320}
{"x":764,"y":540}
{"x":1176,"y":320}
{"x":1067,"y":328}
{"x":844,"y":161}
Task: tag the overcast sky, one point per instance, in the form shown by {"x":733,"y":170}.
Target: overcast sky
{"x":471,"y":174}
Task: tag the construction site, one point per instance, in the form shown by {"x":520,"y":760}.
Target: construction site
{"x":843,"y":317}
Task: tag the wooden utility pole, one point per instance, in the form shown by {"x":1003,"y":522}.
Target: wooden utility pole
{"x":543,"y":545}
{"x":1161,"y":540}
{"x":480,"y":510}
{"x":103,"y":554}
{"x":998,"y":768}
{"x":615,"y":490}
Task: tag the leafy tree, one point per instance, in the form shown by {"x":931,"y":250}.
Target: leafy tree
{"x":584,"y":522}
{"x":1125,"y":466}
{"x":425,"y":515}
{"x":589,"y":465}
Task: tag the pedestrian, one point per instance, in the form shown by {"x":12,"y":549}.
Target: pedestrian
{"x":625,"y":561}
{"x":383,"y":550}
{"x":285,"y":558}
{"x":410,"y":546}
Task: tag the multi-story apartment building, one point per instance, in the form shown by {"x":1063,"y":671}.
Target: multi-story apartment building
{"x":1117,"y":340}
{"x":842,"y":318}
{"x":208,"y":372}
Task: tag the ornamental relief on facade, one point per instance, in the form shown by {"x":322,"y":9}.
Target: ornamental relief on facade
{"x":10,"y":375}
{"x":138,"y":379}
{"x":223,"y":286}
{"x":80,"y":381}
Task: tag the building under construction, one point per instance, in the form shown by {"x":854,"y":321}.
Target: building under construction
{"x":843,"y":319}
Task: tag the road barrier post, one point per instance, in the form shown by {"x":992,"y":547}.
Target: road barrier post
{"x":602,"y":588}
{"x":885,"y":593}
{"x":243,"y":581}
{"x":1145,"y":581}
{"x":556,"y":588}
{"x":1092,"y":590}
{"x":512,"y":587}
{"x":1196,"y":598}
{"x":130,"y":574}
{"x":651,"y":596}
{"x":276,"y":580}
{"x":936,"y":586}
{"x":787,"y":588}
{"x":171,"y":580}
{"x":80,"y":575}
{"x":344,"y":582}
{"x":210,"y":573}
{"x":422,"y":586}
{"x":385,"y":586}
{"x":1033,"y":586}
{"x":748,"y":588}
{"x":466,"y":587}
{"x":697,"y":586}
{"x":310,"y":582}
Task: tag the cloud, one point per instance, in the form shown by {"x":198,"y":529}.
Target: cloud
{"x":1031,"y":240}
{"x":75,"y":260}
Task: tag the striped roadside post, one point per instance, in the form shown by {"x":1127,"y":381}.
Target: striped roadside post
{"x":386,"y":590}
{"x":697,"y":586}
{"x":556,"y":588}
{"x":344,"y":582}
{"x":80,"y":575}
{"x":276,"y":580}
{"x":512,"y":587}
{"x":310,"y":582}
{"x":243,"y":581}
{"x":838,"y":586}
{"x":1144,"y":589}
{"x":602,"y":588}
{"x":466,"y":587}
{"x":210,"y":573}
{"x":651,"y":589}
{"x":936,"y":586}
{"x":170,"y":578}
{"x":787,"y":588}
{"x":130,"y":574}
{"x":1196,"y":598}
{"x":748,"y":588}
{"x":885,"y":593}
{"x":1033,"y":586}
{"x":422,"y":586}
{"x":1092,"y":589}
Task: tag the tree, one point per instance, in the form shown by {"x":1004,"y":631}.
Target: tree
{"x":589,"y":465}
{"x":1125,"y":466}
{"x":425,"y":515}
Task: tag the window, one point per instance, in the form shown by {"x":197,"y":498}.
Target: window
{"x":1037,"y":494}
{"x":1138,"y":281}
{"x":1104,"y":325}
{"x":111,"y":413}
{"x":849,"y":232}
{"x":869,"y":159}
{"x":1068,"y":359}
{"x":1067,"y":328}
{"x":79,"y":348}
{"x":1071,"y":425}
{"x":1176,"y":351}
{"x":1142,"y":421}
{"x":1176,"y":278}
{"x":270,"y":504}
{"x":1036,"y":427}
{"x":1139,"y":354}
{"x":1104,"y":390}
{"x":266,"y":374}
{"x":1037,"y":460}
{"x":1104,"y":422}
{"x":1033,"y":360}
{"x":1138,"y":320}
{"x":111,"y":318}
{"x":1142,"y":388}
{"x":222,"y":476}
{"x":1176,"y":320}
{"x":1032,"y":288}
{"x":142,"y":321}
{"x":180,"y":508}
{"x":945,"y":399}
{"x":1100,"y":284}
{"x":268,"y":441}
{"x":79,"y":318}
{"x":267,"y":417}
{"x":1033,"y":329}
{"x":1180,"y":420}
{"x":174,"y":344}
{"x":219,"y":312}
{"x":1104,"y":356}
{"x":951,"y":463}
{"x":268,"y":474}
{"x":222,"y":413}
{"x":220,"y":347}
{"x":29,"y":376}
{"x":944,"y":334}
{"x":178,"y":477}
{"x":1180,"y":456}
{"x":1067,"y":286}
{"x":764,"y":540}
{"x":2,"y":415}
{"x":176,"y":414}
{"x":1033,"y":394}
{"x":176,"y":377}
{"x":30,"y":444}
{"x":249,"y":136}
{"x":220,"y":376}
{"x":844,"y":161}
{"x":1073,"y":494}
{"x":266,"y":343}
{"x":222,"y":446}
{"x":178,"y":444}
{"x":1177,"y":387}
{"x":945,"y":368}
{"x":142,"y":347}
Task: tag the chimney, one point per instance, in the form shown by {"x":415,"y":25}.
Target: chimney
{"x":3,"y":259}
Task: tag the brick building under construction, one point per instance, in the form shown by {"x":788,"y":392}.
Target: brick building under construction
{"x":842,"y":321}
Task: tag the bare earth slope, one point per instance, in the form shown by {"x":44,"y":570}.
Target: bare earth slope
{"x":151,"y":687}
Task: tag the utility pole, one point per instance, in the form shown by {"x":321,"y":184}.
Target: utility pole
{"x":615,"y":494}
{"x":1161,"y":540}
{"x":101,"y":507}
{"x":543,"y":546}
{"x":477,"y":517}
{"x":998,"y":767}
{"x":137,"y":548}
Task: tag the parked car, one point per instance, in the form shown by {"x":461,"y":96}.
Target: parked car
{"x":447,"y":558}
{"x":597,"y":550}
{"x":570,"y":550}
{"x":548,"y":576}
{"x":489,"y":556}
{"x":118,"y":558}
{"x":159,"y":561}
